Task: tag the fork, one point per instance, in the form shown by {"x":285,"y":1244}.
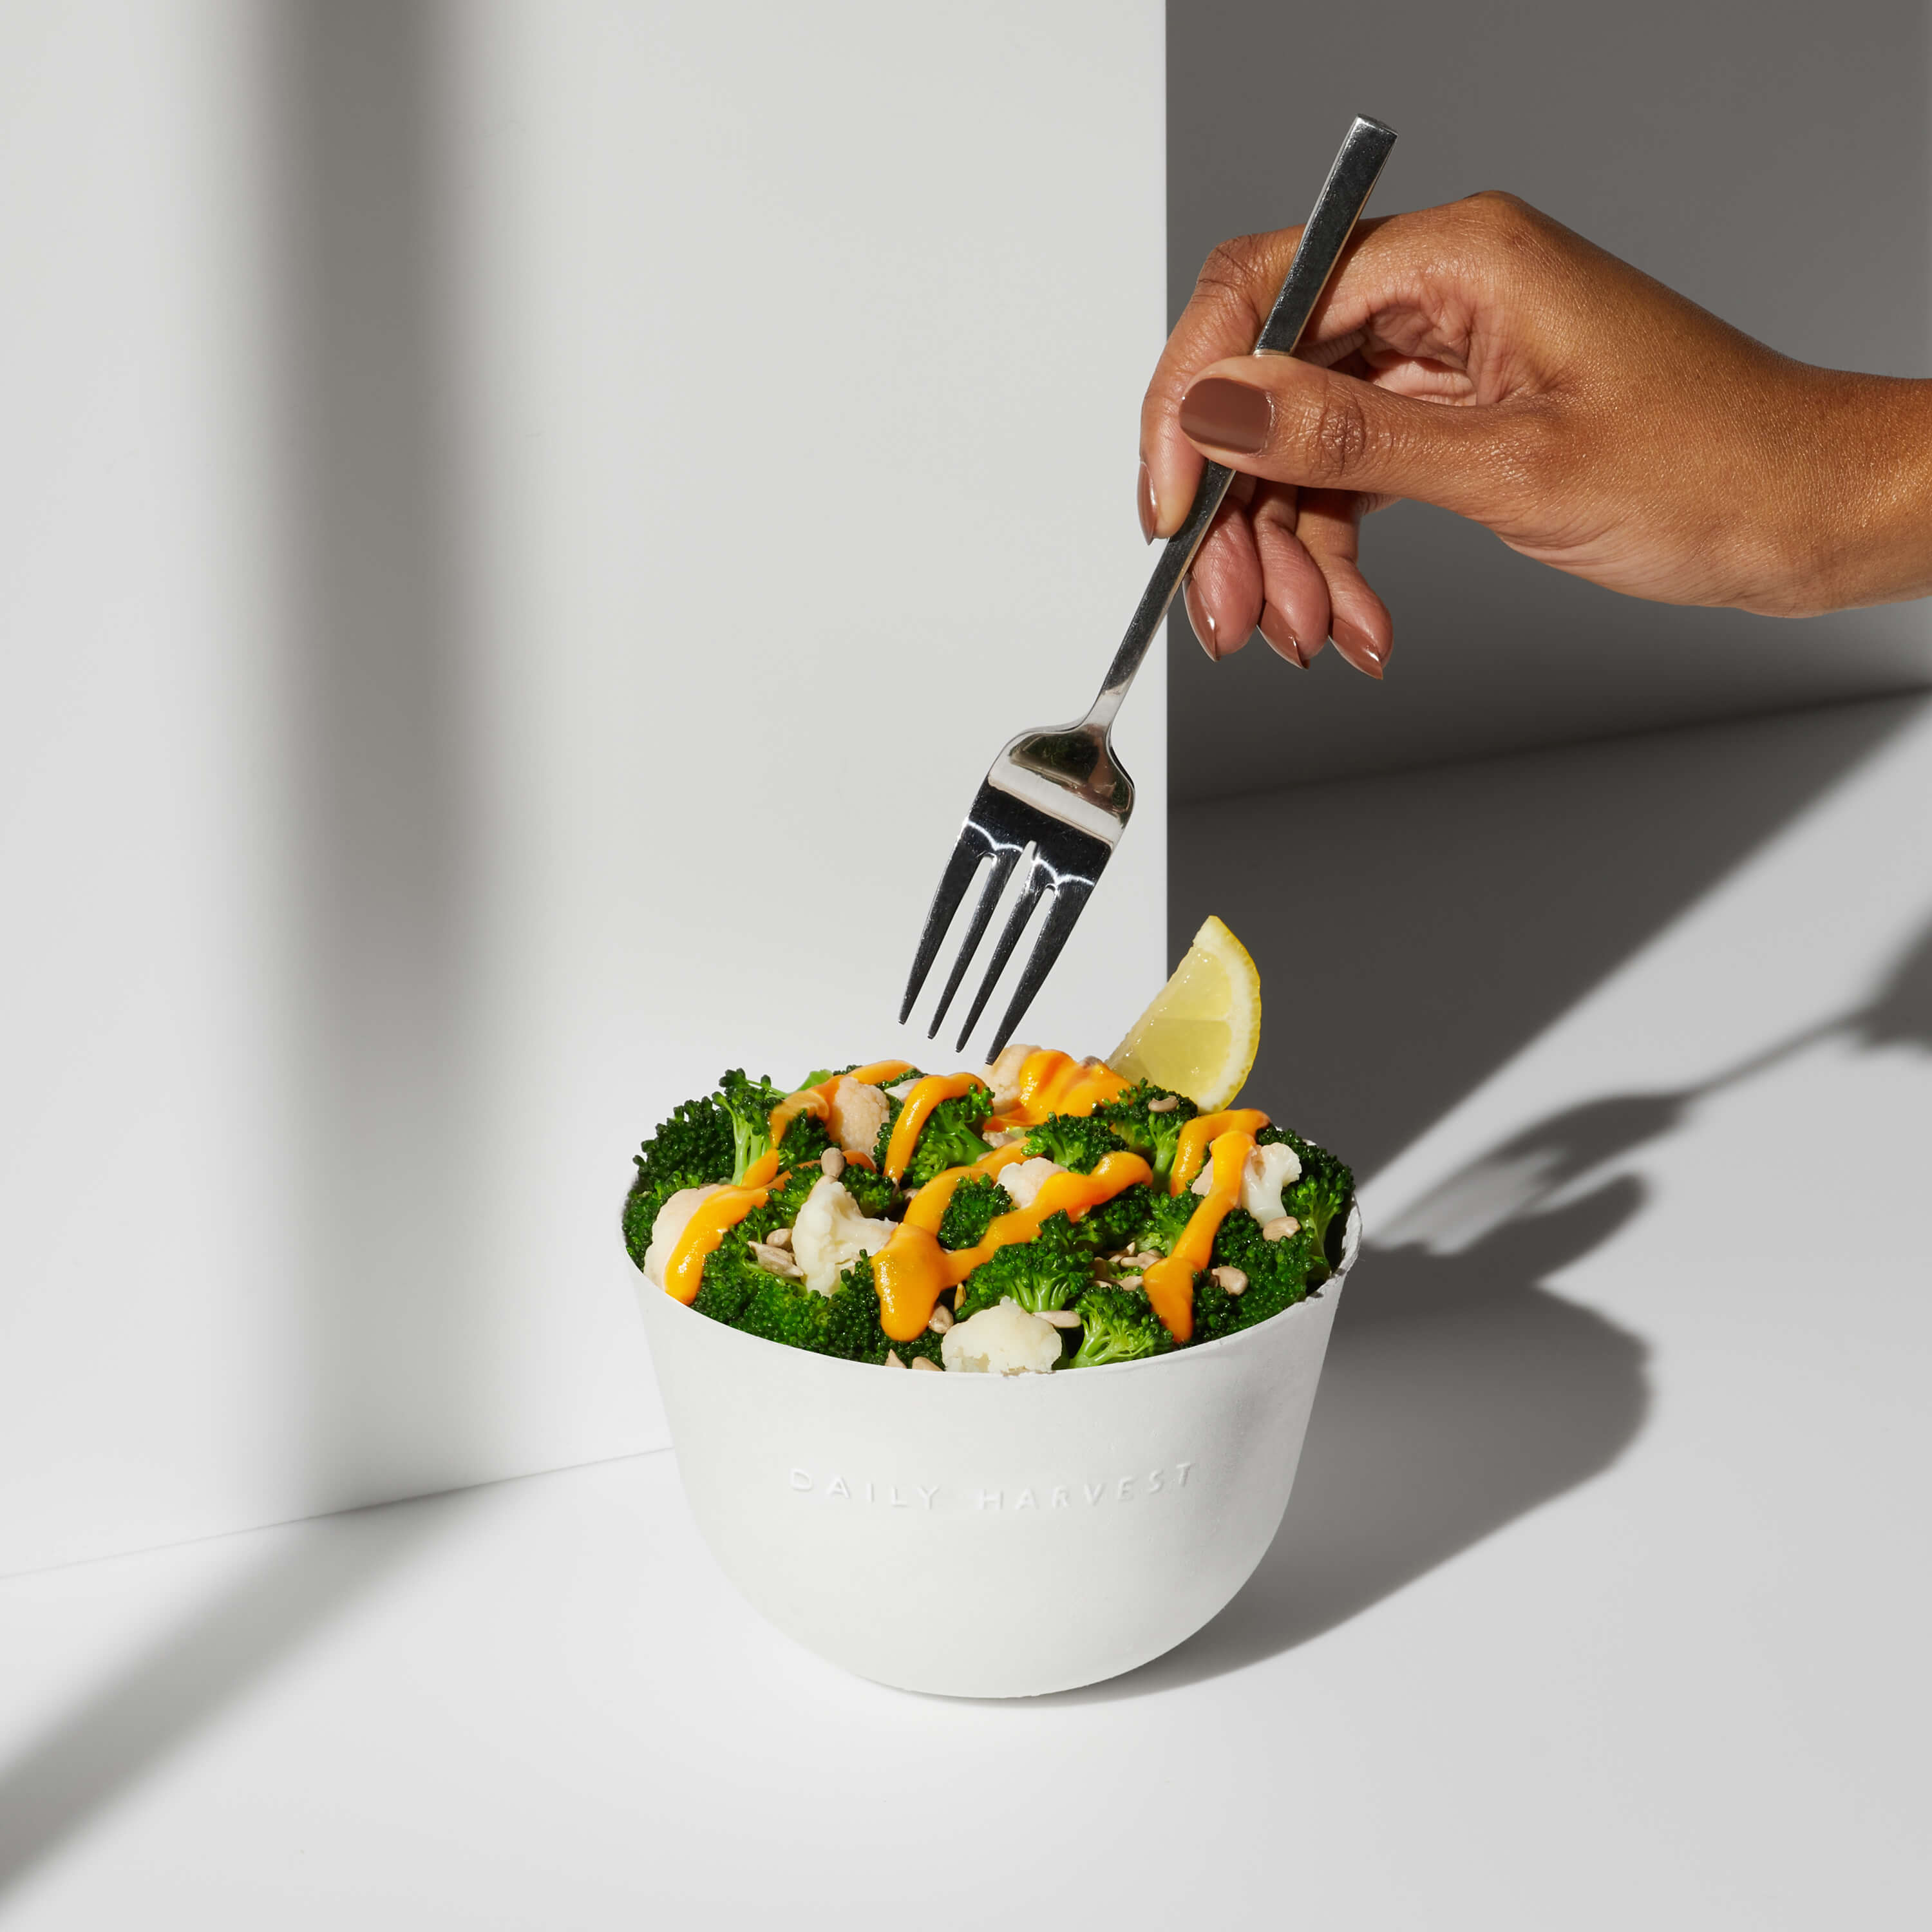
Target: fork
{"x":1060,"y":793}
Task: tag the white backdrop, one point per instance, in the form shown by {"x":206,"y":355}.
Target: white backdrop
{"x":524,"y":527}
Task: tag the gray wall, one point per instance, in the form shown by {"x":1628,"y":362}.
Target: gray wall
{"x":1768,"y":157}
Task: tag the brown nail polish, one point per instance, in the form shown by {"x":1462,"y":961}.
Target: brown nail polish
{"x":1280,"y":640}
{"x":1228,"y":415}
{"x":1361,"y":649}
{"x":1150,"y":511}
{"x":1204,"y":625}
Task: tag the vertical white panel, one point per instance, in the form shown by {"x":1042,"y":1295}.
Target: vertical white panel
{"x":152,"y":1379}
{"x":534,"y":518}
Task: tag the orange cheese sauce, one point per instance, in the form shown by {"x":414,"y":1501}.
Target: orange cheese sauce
{"x":912,"y":1270}
{"x":1053,"y":1083}
{"x":762,"y":1171}
{"x":1200,"y":1132}
{"x":879,"y":1073}
{"x":1170,"y":1283}
{"x":926,"y":1095}
{"x":817,"y":1101}
{"x":684,"y":1272}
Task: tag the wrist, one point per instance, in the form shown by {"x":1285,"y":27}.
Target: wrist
{"x":1863,"y":531}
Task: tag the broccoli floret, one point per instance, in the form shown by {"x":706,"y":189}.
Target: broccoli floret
{"x":873,"y":1191}
{"x":877,"y":1197}
{"x":1280,"y":1272}
{"x":806,"y":1139}
{"x":1320,"y":1199}
{"x":782,"y":1309}
{"x":1167,"y":1216}
{"x":977,"y":1202}
{"x":1117,"y":1324}
{"x":1052,"y":1270}
{"x":1155,"y":1137}
{"x":731,"y":1278}
{"x":749,"y":1103}
{"x":1078,"y":1141}
{"x":844,"y":1324}
{"x":1118,"y":1224}
{"x":781,"y":1204}
{"x":1217,"y":1312}
{"x":949,"y":1138}
{"x":731,"y":1275}
{"x":854,"y":1325}
{"x":694,"y":1148}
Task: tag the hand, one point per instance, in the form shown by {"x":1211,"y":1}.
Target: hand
{"x":1481,"y":357}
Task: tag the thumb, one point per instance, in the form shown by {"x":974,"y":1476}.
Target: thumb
{"x":1289,"y":421}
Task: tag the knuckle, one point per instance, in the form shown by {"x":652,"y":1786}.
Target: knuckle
{"x":1510,"y":247}
{"x":1236,"y":271}
{"x":1508,"y":229}
{"x":1500,"y":212}
{"x":1339,"y":438}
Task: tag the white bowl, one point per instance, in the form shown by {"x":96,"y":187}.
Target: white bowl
{"x":987,"y":1536}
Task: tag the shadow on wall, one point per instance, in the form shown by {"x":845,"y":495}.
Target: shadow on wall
{"x":1461,"y":1390}
{"x":1415,"y":932}
{"x":381,"y":877}
{"x":1694,"y":142}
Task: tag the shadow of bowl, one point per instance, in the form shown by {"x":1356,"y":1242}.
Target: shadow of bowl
{"x":1459,"y":1395}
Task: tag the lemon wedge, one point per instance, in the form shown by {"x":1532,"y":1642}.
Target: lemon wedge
{"x":1202,"y":1030}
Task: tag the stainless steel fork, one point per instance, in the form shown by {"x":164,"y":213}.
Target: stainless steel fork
{"x":1061,"y":793}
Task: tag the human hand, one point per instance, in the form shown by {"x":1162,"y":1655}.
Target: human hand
{"x":1481,"y":357}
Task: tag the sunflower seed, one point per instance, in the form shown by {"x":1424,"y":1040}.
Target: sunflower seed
{"x":775,"y":1260}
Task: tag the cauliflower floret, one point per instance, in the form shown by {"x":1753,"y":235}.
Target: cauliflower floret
{"x":1003,"y":1076}
{"x":1002,"y":1341}
{"x":674,"y":1217}
{"x":830,"y":1234}
{"x":1266,"y":1172}
{"x":856,"y":1114}
{"x":1025,"y":1178}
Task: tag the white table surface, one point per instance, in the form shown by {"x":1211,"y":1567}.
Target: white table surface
{"x":1603,"y":1595}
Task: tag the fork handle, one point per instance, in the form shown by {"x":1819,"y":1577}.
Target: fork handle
{"x":1337,"y":209}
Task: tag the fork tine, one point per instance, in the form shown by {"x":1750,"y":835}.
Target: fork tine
{"x":952,"y":884}
{"x":1004,"y":859}
{"x":1069,"y":899}
{"x":1009,"y":938}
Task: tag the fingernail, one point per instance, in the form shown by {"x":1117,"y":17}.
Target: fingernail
{"x":1150,"y":511}
{"x":1281,"y":640}
{"x":1204,"y":625}
{"x":1229,"y":415}
{"x":1360,"y":649}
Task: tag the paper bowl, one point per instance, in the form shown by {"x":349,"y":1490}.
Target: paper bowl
{"x":985,"y":1536}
